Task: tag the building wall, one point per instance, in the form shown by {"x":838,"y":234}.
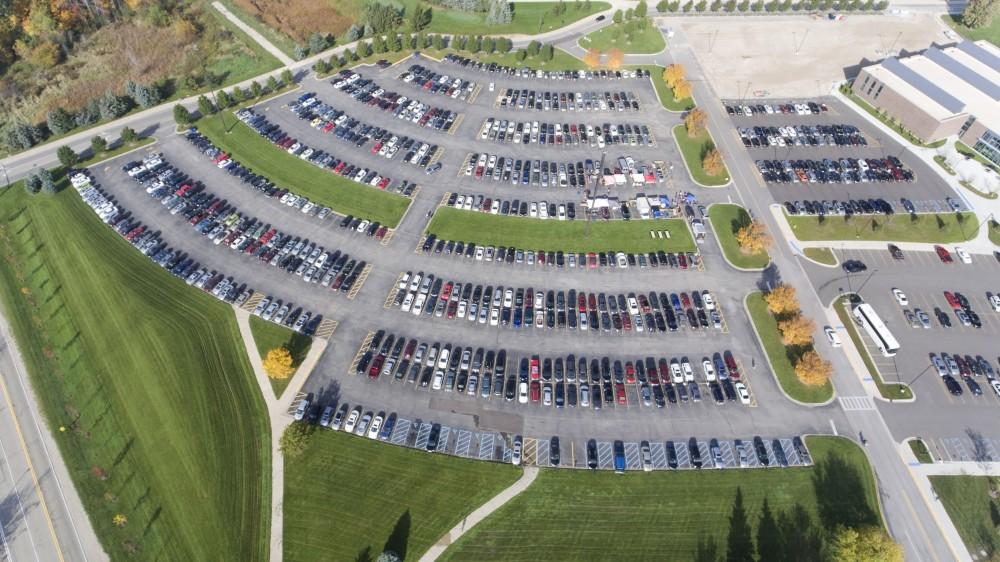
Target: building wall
{"x":984,"y":141}
{"x":909,"y":115}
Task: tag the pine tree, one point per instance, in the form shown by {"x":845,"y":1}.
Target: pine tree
{"x":60,"y":121}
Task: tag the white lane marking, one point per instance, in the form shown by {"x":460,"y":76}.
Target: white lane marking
{"x":20,"y":504}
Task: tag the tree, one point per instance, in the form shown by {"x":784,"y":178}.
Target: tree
{"x":294,"y":439}
{"x":98,"y":145}
{"x":739,"y":543}
{"x":641,"y":9}
{"x":592,"y":59}
{"x":504,"y":45}
{"x":682,"y":90}
{"x":21,"y":135}
{"x":128,"y":135}
{"x":617,"y":17}
{"x":256,"y":89}
{"x":533,"y":48}
{"x":111,"y":106}
{"x":60,"y":121}
{"x":499,"y":13}
{"x":143,"y":96}
{"x":753,"y":238}
{"x":615,"y":59}
{"x":354,"y":33}
{"x":381,"y":17}
{"x":271,"y":85}
{"x":182,"y":116}
{"x":378,"y":44}
{"x":278,"y":364}
{"x":119,"y":520}
{"x":206,"y":107}
{"x":317,"y":43}
{"x":978,"y":13}
{"x":712,"y":163}
{"x":694,"y":122}
{"x":47,"y":181}
{"x":548,"y":51}
{"x":782,"y":299}
{"x":222,"y":99}
{"x":438,"y":42}
{"x":32,"y":183}
{"x":869,"y":544}
{"x":67,"y":156}
{"x":521,"y":55}
{"x":672,"y":74}
{"x":321,"y":67}
{"x":287,"y":78}
{"x":796,"y":330}
{"x":420,"y":17}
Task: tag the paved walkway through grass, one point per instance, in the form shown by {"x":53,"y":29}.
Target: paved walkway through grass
{"x":260,"y":39}
{"x":484,"y":511}
{"x":279,"y":418}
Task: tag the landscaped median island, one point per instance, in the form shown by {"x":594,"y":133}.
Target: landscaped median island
{"x":350,"y":498}
{"x":821,"y":255}
{"x":781,"y":514}
{"x":927,"y":228}
{"x":268,"y":337}
{"x":972,"y":504}
{"x":695,"y":150}
{"x":919,"y":449}
{"x":526,"y":233}
{"x":143,"y":382}
{"x":896,"y":391}
{"x":344,"y":196}
{"x":785,"y":358}
{"x":728,"y":222}
{"x":664,"y":92}
{"x":638,"y":36}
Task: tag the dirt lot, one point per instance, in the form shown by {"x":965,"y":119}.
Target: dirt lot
{"x":762,"y":50}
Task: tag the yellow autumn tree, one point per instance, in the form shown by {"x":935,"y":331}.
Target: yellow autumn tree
{"x":797,"y":330}
{"x":864,"y":545}
{"x":682,"y":90}
{"x":694,"y":122}
{"x":782,"y":299}
{"x":672,"y":74}
{"x":615,"y":59}
{"x":278,"y":364}
{"x":753,"y":238}
{"x":592,"y":59}
{"x":119,"y":520}
{"x":712,"y":163}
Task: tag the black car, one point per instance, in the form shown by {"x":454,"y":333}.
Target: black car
{"x":554,"y":451}
{"x":896,"y":253}
{"x":432,"y":439}
{"x":854,"y":266}
{"x":758,"y":447}
{"x":592,"y":454}
{"x":695,"y":453}
{"x":952,"y":385}
{"x":671,"y":455}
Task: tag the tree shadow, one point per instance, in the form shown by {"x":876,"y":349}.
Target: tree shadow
{"x":706,"y":550}
{"x":739,"y":544}
{"x":329,"y":394}
{"x":840,"y":495}
{"x":298,"y":346}
{"x":365,"y":555}
{"x":769,"y":278}
{"x":400,"y":536}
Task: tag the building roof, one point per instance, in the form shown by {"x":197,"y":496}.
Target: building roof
{"x":958,"y":80}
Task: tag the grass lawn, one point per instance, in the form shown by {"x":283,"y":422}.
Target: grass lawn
{"x":693,"y":150}
{"x":990,"y":33}
{"x":944,"y":164}
{"x":927,"y":228}
{"x":664,"y":92}
{"x":582,"y":516}
{"x":116,"y":148}
{"x":280,"y":40}
{"x":727,"y":219}
{"x":569,"y":236}
{"x":783,"y":358}
{"x":344,"y":196}
{"x":530,"y":18}
{"x":268,"y":336}
{"x":821,"y":255}
{"x":895,"y":126}
{"x":149,"y":379}
{"x":647,"y":40}
{"x":920,"y":451}
{"x":887,"y":390}
{"x":975,"y":515}
{"x":239,"y":66}
{"x":967,"y":150}
{"x":348,"y":498}
{"x":995,"y":232}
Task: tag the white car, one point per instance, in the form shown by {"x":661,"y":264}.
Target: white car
{"x":900,"y":297}
{"x":363,"y":424}
{"x":376,"y":426}
{"x":352,"y":420}
{"x":963,"y":255}
{"x":709,"y":369}
{"x":300,"y":411}
{"x":522,"y":393}
{"x":742,"y":392}
{"x":994,"y":302}
{"x":832,"y":336}
{"x":515,"y":457}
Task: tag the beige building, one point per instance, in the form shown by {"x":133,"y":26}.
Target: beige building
{"x":941,"y":92}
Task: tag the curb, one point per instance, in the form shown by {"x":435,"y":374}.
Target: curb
{"x":836,"y":260}
{"x":760,"y":343}
{"x":673,"y":133}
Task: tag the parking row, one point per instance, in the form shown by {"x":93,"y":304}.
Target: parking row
{"x":595,"y":208}
{"x":801,"y":135}
{"x":320,"y":158}
{"x":565,"y":134}
{"x":176,"y":261}
{"x":368,"y":92}
{"x":579,"y":311}
{"x":525,"y":72}
{"x":439,"y":84}
{"x":954,"y":367}
{"x":828,"y":171}
{"x":573,"y":174}
{"x":223,"y":224}
{"x":559,"y":382}
{"x":740,"y":109}
{"x":539,"y":100}
{"x":340,"y":125}
{"x":559,"y":259}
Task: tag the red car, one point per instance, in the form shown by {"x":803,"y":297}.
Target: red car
{"x":620,"y":394}
{"x":536,"y":391}
{"x":734,"y":370}
{"x":944,"y":254}
{"x":952,"y":301}
{"x":629,"y":372}
{"x":533,"y":370}
{"x":592,"y":260}
{"x":373,"y":371}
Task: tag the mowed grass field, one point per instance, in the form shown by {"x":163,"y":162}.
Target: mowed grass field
{"x":970,"y":507}
{"x":644,"y":41}
{"x":350,"y":498}
{"x":727,"y":219}
{"x":581,"y":515}
{"x":553,"y":235}
{"x":344,"y":196}
{"x":162,"y":419}
{"x":781,"y":357}
{"x":928,"y":228}
{"x":530,"y":18}
{"x":268,"y":336}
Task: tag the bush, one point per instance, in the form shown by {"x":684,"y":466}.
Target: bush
{"x":21,"y":135}
{"x":60,"y":121}
{"x":128,"y":135}
{"x":182,"y":116}
{"x":112,"y":106}
{"x":67,"y":156}
{"x":98,"y":145}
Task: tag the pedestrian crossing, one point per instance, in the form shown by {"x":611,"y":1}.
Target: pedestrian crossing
{"x":856,"y":403}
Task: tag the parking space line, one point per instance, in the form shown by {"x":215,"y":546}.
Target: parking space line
{"x":486,"y":446}
{"x":361,"y":281}
{"x":423,"y":434}
{"x":326,"y":328}
{"x":252,"y":302}
{"x":456,"y":123}
{"x":443,"y":444}
{"x":475,"y":94}
{"x":400,"y":432}
{"x":683,"y":457}
{"x":790,"y":454}
{"x":463,"y":442}
{"x":633,"y":461}
{"x":529,"y":452}
{"x":728,"y":454}
{"x":542,"y":452}
{"x":604,"y":455}
{"x":352,"y":368}
{"x":658,"y":454}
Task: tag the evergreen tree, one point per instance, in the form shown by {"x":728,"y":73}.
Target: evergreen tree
{"x":67,"y":156}
{"x":206,"y":107}
{"x":60,"y":121}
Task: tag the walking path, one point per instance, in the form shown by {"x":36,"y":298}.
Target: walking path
{"x":530,"y":472}
{"x":260,"y":39}
{"x":279,"y":418}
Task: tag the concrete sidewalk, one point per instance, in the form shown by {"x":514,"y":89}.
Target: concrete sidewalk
{"x":260,"y":39}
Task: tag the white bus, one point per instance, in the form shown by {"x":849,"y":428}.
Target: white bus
{"x":879,"y":333}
